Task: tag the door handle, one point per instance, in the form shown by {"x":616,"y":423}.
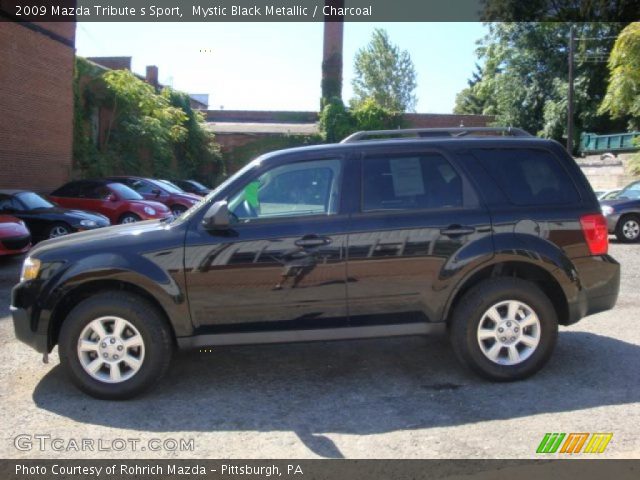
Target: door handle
{"x":457,"y":230}
{"x":312,"y":241}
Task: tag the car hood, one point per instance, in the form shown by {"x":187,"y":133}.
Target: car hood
{"x":188,"y":196}
{"x":111,"y":236}
{"x":69,"y":213}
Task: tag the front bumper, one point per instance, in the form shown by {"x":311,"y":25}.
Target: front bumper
{"x":29,"y":322}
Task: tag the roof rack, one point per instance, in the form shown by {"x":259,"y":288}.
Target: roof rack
{"x":437,"y":132}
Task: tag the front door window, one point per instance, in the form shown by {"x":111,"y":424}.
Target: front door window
{"x":293,"y":190}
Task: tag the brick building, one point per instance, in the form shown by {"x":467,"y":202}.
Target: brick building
{"x":36,"y":104}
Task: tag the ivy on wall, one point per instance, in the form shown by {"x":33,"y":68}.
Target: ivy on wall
{"x":146,"y":132}
{"x":239,"y":156}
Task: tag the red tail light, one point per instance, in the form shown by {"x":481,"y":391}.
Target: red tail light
{"x":596,"y":233}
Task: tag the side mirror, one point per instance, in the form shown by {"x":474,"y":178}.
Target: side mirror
{"x":156,"y":192}
{"x":111,"y":198}
{"x":217,"y":217}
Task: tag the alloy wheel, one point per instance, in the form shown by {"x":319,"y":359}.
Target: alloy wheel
{"x":58,"y":231}
{"x":631,"y":229}
{"x":509,"y":332}
{"x":111,"y":349}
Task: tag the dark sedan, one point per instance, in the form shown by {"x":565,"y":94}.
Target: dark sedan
{"x":43,"y":218}
{"x":623,"y":213}
{"x":192,"y":186}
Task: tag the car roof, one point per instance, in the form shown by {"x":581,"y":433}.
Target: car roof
{"x":14,"y":191}
{"x":433,"y":142}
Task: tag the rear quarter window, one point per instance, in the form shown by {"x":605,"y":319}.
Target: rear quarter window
{"x":528,"y":176}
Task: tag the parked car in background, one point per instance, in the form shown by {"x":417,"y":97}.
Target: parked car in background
{"x":14,"y":236}
{"x":177,"y":200}
{"x":608,"y":194}
{"x":44,"y":219}
{"x":623,"y":213}
{"x":191,"y":186}
{"x":116,"y":201}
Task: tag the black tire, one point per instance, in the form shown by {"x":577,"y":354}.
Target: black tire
{"x":129,"y":218}
{"x":469,"y":312}
{"x":178,"y":210}
{"x":627,"y":221}
{"x":145,"y":317}
{"x":56,"y":230}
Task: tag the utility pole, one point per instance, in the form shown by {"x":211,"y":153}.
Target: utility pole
{"x":572,"y":39}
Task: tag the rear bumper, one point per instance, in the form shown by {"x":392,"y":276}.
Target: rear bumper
{"x":599,"y":279}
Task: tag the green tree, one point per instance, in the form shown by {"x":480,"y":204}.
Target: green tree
{"x":386,"y":74}
{"x":623,"y":92}
{"x":470,"y":100}
{"x":524,"y":77}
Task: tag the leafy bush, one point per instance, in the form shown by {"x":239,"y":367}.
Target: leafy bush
{"x":370,"y":115}
{"x":338,"y":122}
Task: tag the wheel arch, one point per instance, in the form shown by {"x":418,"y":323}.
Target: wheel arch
{"x":524,"y":270}
{"x":88,"y":289}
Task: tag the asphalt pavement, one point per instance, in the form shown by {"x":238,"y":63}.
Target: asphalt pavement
{"x":381,"y":398}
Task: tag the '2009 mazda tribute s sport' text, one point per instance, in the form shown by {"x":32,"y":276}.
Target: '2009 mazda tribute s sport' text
{"x":491,"y":234}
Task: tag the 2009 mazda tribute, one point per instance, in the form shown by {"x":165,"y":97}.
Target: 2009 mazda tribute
{"x":491,"y":234}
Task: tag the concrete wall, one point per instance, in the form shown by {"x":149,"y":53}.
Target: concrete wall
{"x":606,"y":172}
{"x":36,"y":104}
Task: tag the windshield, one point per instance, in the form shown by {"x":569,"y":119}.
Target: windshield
{"x":124,"y":192}
{"x":206,"y":201}
{"x":632,"y":191}
{"x":32,"y":201}
{"x":197,"y":184}
{"x":168,"y":186}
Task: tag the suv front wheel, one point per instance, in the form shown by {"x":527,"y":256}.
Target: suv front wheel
{"x":504,"y":329}
{"x":114,"y":345}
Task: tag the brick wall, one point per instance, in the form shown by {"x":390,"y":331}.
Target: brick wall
{"x":413,"y":120}
{"x":36,"y":106}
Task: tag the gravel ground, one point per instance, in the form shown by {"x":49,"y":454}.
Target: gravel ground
{"x":387,"y":398}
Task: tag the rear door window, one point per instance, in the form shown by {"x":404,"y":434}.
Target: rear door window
{"x":528,"y":176}
{"x":417,"y":182}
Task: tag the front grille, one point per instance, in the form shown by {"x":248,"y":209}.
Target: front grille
{"x":16,"y":243}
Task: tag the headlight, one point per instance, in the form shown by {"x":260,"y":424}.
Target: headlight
{"x":30,"y":269}
{"x":607,"y":210}
{"x":149,"y":211}
{"x":88,"y":223}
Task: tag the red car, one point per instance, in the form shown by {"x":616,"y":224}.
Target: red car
{"x":112,"y":199}
{"x":177,"y":200}
{"x":14,"y":236}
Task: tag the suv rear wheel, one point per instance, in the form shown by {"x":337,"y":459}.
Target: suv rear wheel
{"x":115,"y":345}
{"x":504,"y":329}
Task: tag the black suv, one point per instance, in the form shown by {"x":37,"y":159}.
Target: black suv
{"x":490,"y":234}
